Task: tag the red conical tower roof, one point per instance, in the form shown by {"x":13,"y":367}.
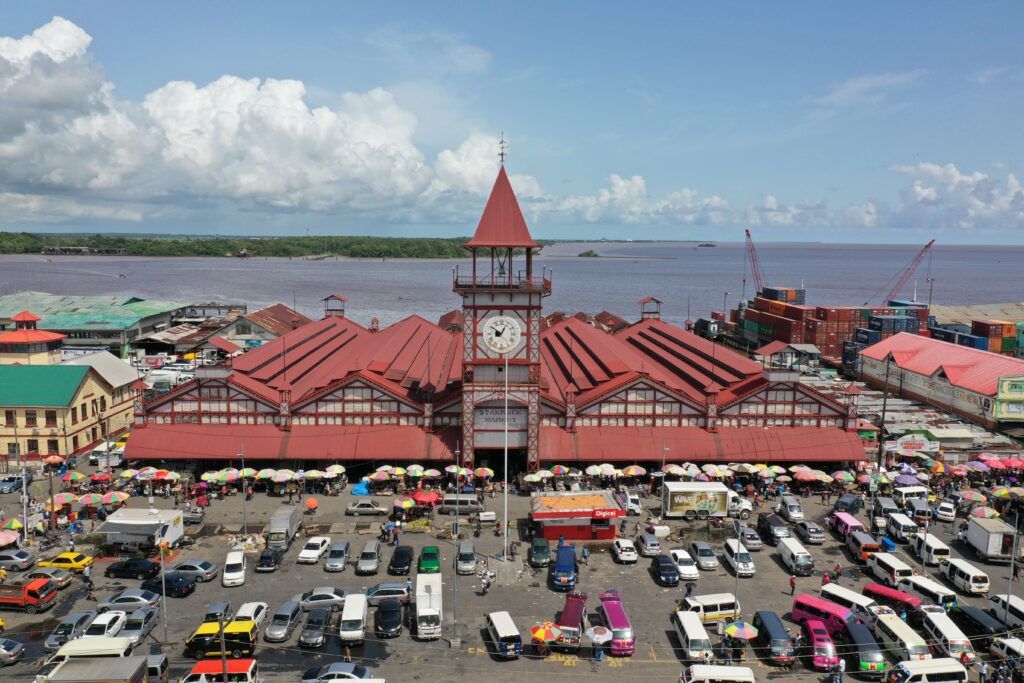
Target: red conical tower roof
{"x":502,"y":223}
{"x":26,"y":317}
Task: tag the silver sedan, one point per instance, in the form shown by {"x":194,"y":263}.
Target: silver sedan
{"x":10,"y":651}
{"x":200,"y":570}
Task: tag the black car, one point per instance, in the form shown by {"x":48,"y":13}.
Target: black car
{"x":977,"y":625}
{"x":178,"y":585}
{"x":270,"y":560}
{"x":387,"y":622}
{"x":848,"y":502}
{"x":135,"y":568}
{"x":664,"y":570}
{"x":401,"y":561}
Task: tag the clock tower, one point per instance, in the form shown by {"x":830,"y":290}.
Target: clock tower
{"x":501,"y":302}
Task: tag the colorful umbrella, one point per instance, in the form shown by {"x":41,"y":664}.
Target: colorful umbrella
{"x":431,"y":473}
{"x":937,"y":468}
{"x":671,"y":468}
{"x":451,"y":469}
{"x":314,"y":474}
{"x":745,"y":468}
{"x":73,"y":476}
{"x":531,"y":478}
{"x":128,"y":474}
{"x":282,"y":476}
{"x":14,"y":523}
{"x":90,"y":499}
{"x":864,"y":479}
{"x":799,"y":468}
{"x":115,"y":497}
{"x":340,"y":469}
{"x":996,"y":465}
{"x":977,"y":466}
{"x":208,"y":476}
{"x":766,"y":474}
{"x":777,"y":469}
{"x":984,"y":511}
{"x":785,"y":478}
{"x":100,"y":476}
{"x":225,"y":476}
{"x":741,"y":630}
{"x":266,"y":473}
{"x":483,"y":473}
{"x":246,"y":472}
{"x":634,"y":471}
{"x":63,"y":499}
{"x":592,"y":471}
{"x":805,"y":475}
{"x":380,"y":476}
{"x":544,"y":474}
{"x":171,"y":476}
{"x":987,"y":456}
{"x":404,"y":503}
{"x":907,"y":480}
{"x":545,"y":632}
{"x":229,"y":472}
{"x":559,"y":470}
{"x":843,"y":476}
{"x":397,"y":471}
{"x":414,"y":470}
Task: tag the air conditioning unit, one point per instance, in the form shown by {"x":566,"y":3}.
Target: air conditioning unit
{"x":35,"y":431}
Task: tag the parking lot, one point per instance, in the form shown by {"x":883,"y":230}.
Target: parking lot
{"x":524,"y":594}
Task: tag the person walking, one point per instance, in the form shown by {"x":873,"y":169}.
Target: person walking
{"x":1016,"y":569}
{"x":982,"y":671}
{"x":825,"y":580}
{"x":689,"y":591}
{"x":842,"y":669}
{"x":87,"y":577}
{"x":792,"y":585}
{"x":586,"y":556}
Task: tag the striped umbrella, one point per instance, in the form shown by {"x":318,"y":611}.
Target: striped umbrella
{"x":282,"y":476}
{"x":744,"y":468}
{"x":90,"y":499}
{"x":766,"y":474}
{"x":397,"y":471}
{"x":777,"y":469}
{"x":546,"y":474}
{"x":532,"y":478}
{"x":246,"y":472}
{"x":741,"y":630}
{"x":634,"y":471}
{"x":128,"y":474}
{"x":170,"y":476}
{"x":230,"y":472}
{"x":937,"y":468}
{"x":977,"y":466}
{"x":431,"y":473}
{"x":483,"y":473}
{"x":784,"y":478}
{"x":266,"y":473}
{"x":14,"y":523}
{"x":385,"y":468}
{"x":404,"y":503}
{"x":984,"y":511}
{"x":760,"y":466}
{"x":673,"y":469}
{"x":314,"y":474}
{"x":379,"y":476}
{"x":208,"y":476}
{"x":545,"y":632}
{"x":617,"y":473}
{"x":63,"y":499}
{"x":113,"y":497}
{"x":592,"y":470}
{"x":1001,"y":492}
{"x":973,"y":496}
{"x":864,"y":479}
{"x":73,"y":476}
{"x":340,"y":469}
{"x":559,"y":470}
{"x":843,"y":476}
{"x":451,"y":469}
{"x":799,"y":468}
{"x":414,"y":470}
{"x":225,"y":476}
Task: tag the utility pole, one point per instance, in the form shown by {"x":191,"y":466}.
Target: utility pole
{"x":245,"y":493}
{"x":504,"y":534}
{"x":454,"y":640}
{"x":163,"y":591}
{"x":223,"y":649}
{"x":1013,"y":563}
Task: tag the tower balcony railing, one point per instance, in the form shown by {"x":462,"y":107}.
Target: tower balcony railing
{"x":502,"y":281}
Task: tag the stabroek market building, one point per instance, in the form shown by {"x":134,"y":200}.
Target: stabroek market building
{"x":415,"y":391}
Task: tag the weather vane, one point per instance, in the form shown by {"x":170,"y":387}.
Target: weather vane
{"x":502,"y":146}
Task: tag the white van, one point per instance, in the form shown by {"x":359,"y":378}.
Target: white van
{"x":693,"y":638}
{"x":929,"y":591}
{"x":714,"y":607}
{"x":795,"y":557}
{"x":87,"y":647}
{"x":904,"y":493}
{"x":460,"y":503}
{"x":965,"y":576}
{"x":709,"y":673}
{"x":902,"y":641}
{"x":1008,"y":608}
{"x":888,"y":568}
{"x":901,"y":528}
{"x":790,"y":509}
{"x":861,"y":605}
{"x":100,"y":450}
{"x":504,"y":635}
{"x":739,"y":558}
{"x":1007,"y":648}
{"x":234,"y":569}
{"x":929,"y":548}
{"x":946,"y":670}
{"x":944,"y":635}
{"x":353,"y":619}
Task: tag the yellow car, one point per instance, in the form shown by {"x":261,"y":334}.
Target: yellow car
{"x":73,"y":562}
{"x":122,"y":440}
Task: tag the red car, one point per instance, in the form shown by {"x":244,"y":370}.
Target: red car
{"x":820,"y":648}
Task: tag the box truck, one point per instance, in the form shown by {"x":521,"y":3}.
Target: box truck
{"x":702,"y":499}
{"x":283,"y":527}
{"x":992,"y":539}
{"x":428,"y":606}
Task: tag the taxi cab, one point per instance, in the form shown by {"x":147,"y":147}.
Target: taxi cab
{"x":71,"y":561}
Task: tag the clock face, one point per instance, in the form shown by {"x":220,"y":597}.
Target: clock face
{"x":501,"y":333}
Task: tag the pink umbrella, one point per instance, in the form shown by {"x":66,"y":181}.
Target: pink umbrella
{"x":987,"y":456}
{"x":804,"y":475}
{"x":996,"y":464}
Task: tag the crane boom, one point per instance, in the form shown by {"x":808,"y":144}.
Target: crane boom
{"x":755,"y":267}
{"x":909,"y":272}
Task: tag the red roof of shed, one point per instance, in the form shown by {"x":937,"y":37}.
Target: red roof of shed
{"x":277,"y":319}
{"x":967,"y":368}
{"x":502,"y":223}
{"x":225,"y":345}
{"x":771,"y":348}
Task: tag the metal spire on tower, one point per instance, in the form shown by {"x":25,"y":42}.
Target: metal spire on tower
{"x":502,"y":147}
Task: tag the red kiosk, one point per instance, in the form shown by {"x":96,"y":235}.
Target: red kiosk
{"x":576,"y":515}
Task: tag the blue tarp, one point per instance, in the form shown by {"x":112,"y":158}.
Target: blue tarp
{"x":361,"y":489}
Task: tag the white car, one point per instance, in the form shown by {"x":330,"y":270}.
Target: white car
{"x":684,"y":564}
{"x":945,"y":512}
{"x":624,"y":550}
{"x":255,"y":612}
{"x":314,"y":549}
{"x":234,"y":569}
{"x":106,"y":625}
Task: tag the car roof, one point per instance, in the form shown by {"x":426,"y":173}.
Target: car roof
{"x":326,"y":589}
{"x":288,"y":606}
{"x":141,"y":612}
{"x":249,"y":607}
{"x":625,"y":542}
{"x":109,"y":616}
{"x":700,"y":544}
{"x":320,"y":612}
{"x":390,"y":584}
{"x":318,"y":538}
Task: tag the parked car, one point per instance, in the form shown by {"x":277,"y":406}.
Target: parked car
{"x":624,"y":551}
{"x":540,"y":553}
{"x":685,"y":565}
{"x":430,"y":560}
{"x":10,"y":651}
{"x":664,"y":571}
{"x":401,"y":561}
{"x":336,"y":671}
{"x":200,"y":570}
{"x":177,"y":585}
{"x":135,"y":568}
{"x":337,"y":557}
{"x":194,"y":516}
{"x":18,"y":560}
{"x":216,"y":612}
{"x":314,"y":632}
{"x":391,"y":589}
{"x":648,"y":545}
{"x":61,"y":577}
{"x":73,"y":562}
{"x":270,"y":560}
{"x":256,"y":612}
{"x":945,"y":512}
{"x":750,"y":539}
{"x":387,"y":620}
{"x":12,"y":482}
{"x":139,"y":624}
{"x":323,"y":596}
{"x":284,"y":621}
{"x":130,"y":600}
{"x":314,"y":549}
{"x":810,"y":533}
{"x":70,"y":627}
{"x":106,"y":625}
{"x":365,"y":507}
{"x":704,"y":555}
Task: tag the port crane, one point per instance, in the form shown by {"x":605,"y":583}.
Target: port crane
{"x":755,"y":268}
{"x":906,"y":274}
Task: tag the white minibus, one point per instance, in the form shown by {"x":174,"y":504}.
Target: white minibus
{"x":901,"y":528}
{"x":888,"y":568}
{"x":861,"y":605}
{"x":929,"y":591}
{"x":693,"y":638}
{"x":965,"y":576}
{"x":902,"y":641}
{"x":929,"y":548}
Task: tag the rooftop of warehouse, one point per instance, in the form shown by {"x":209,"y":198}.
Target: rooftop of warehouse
{"x":97,"y":312}
{"x":1010,"y":312}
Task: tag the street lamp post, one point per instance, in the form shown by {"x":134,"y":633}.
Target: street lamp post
{"x":1013,"y":563}
{"x":454,"y":641}
{"x":163,"y":590}
{"x":245,"y":493}
{"x":504,"y":534}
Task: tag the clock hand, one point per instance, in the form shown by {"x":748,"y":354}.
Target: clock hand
{"x":497,"y":333}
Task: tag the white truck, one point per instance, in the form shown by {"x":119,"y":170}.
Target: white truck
{"x":428,"y":606}
{"x":134,"y":527}
{"x":284,"y":524}
{"x":702,"y":499}
{"x":992,"y":539}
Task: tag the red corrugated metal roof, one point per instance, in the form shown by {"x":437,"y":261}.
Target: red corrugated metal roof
{"x":732,"y":444}
{"x":502,"y":223}
{"x":277,"y":319}
{"x":771,"y":348}
{"x":29,"y":337}
{"x":225,"y":345}
{"x":26,"y":317}
{"x":967,"y":368}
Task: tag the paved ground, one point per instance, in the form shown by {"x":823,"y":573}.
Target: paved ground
{"x":527,"y":599}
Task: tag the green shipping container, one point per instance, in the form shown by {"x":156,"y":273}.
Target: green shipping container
{"x":1009,"y":343}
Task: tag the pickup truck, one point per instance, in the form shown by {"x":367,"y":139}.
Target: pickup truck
{"x":32,"y":596}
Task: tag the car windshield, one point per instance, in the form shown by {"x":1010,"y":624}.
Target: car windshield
{"x":134,"y":625}
{"x":958,"y":646}
{"x":368,"y":556}
{"x":63,"y":628}
{"x":467,"y":557}
{"x":280,"y":619}
{"x":336,"y":554}
{"x":744,"y":558}
{"x":351,"y":624}
{"x":622,"y":633}
{"x":96,"y":630}
{"x":804,"y":561}
{"x":233,"y":567}
{"x":685,"y":561}
{"x":705,"y":552}
{"x":824,"y":650}
{"x":312,"y":546}
{"x":700,"y":644}
{"x":315,"y":622}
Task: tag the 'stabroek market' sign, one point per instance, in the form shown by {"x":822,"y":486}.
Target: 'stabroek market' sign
{"x":913,"y":442}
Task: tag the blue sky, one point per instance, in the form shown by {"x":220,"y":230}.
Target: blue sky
{"x":889,"y":122}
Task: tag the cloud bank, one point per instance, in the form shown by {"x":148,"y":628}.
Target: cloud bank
{"x":71,"y":151}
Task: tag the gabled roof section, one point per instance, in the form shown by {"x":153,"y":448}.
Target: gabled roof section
{"x":967,"y":368}
{"x":771,"y":348}
{"x":115,"y":371}
{"x":502,"y":223}
{"x":277,"y":319}
{"x":40,"y":386}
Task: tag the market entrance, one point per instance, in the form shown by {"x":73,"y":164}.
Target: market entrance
{"x":495,"y":459}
